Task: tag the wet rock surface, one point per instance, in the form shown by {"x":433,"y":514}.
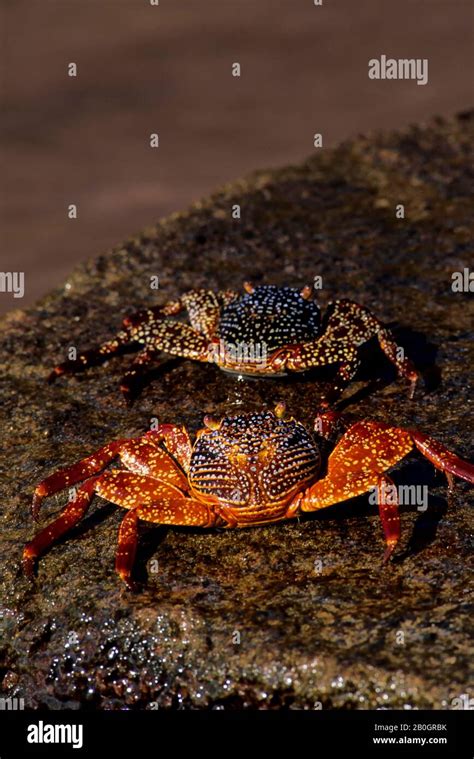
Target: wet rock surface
{"x":296,"y":615}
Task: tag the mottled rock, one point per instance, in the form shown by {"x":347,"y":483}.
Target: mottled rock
{"x":251,"y":618}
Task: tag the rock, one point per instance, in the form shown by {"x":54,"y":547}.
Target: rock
{"x":298,"y":615}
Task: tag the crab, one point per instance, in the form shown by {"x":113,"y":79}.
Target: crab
{"x":266,"y":331}
{"x":243,"y":470}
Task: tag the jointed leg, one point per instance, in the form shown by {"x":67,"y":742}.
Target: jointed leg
{"x":145,"y":456}
{"x":176,"y":440}
{"x":126,"y":336}
{"x":148,"y":498}
{"x":348,"y":326}
{"x":396,"y":355}
{"x":93,"y":357}
{"x":133,"y":378}
{"x":142,"y":455}
{"x":345,"y":373}
{"x":70,"y":475}
{"x":387,"y":501}
{"x":330,"y":424}
{"x":442,"y":458}
{"x":127,"y":546}
{"x":71,"y":514}
{"x":180,"y":511}
{"x":151,"y":328}
{"x":359,"y":461}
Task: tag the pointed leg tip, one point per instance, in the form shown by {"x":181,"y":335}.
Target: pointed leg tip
{"x":52,"y":376}
{"x":129,"y":585}
{"x":413,"y":378}
{"x":28,"y":564}
{"x":451,"y":483}
{"x":128,"y":395}
{"x":388,"y":554}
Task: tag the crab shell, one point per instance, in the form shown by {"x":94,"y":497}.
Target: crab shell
{"x":253,"y":465}
{"x":260,"y":322}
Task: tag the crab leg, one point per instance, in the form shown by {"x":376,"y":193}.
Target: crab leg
{"x":345,"y":373}
{"x":404,"y":366}
{"x":134,"y":377}
{"x":92,"y":357}
{"x":387,"y":501}
{"x":127,"y":335}
{"x":70,"y":475}
{"x":359,"y":461}
{"x":70,"y":515}
{"x":328,"y":424}
{"x":141,"y":455}
{"x":154,"y":499}
{"x":152,"y":476}
{"x":127,"y":546}
{"x":349,"y":325}
{"x":181,"y":511}
{"x":148,"y":498}
{"x":442,"y":458}
{"x":175,"y":439}
{"x":145,"y":456}
{"x":150,"y":328}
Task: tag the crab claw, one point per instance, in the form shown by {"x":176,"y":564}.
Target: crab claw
{"x":249,"y":288}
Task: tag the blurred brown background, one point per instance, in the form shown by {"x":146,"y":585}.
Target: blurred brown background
{"x":167,"y":69}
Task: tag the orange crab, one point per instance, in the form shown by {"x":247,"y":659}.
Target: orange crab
{"x":244,"y":470}
{"x":267,"y":331}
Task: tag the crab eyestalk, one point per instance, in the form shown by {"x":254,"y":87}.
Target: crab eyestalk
{"x":306,"y":292}
{"x":280,"y":410}
{"x":211,"y":422}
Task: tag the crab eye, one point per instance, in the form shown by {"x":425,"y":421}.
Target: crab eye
{"x":306,"y":292}
{"x":280,"y":410}
{"x":211,"y":423}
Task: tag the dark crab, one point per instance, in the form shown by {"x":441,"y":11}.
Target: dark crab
{"x":267,"y":331}
{"x":244,"y":470}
